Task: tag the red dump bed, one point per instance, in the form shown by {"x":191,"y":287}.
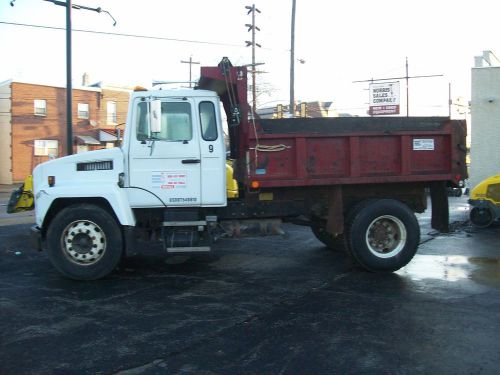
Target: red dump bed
{"x":325,"y":151}
{"x":331,"y":151}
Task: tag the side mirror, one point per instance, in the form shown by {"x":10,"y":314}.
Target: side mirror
{"x":155,"y":116}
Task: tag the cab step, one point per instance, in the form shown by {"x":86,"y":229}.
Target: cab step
{"x":186,"y":231}
{"x":188,"y":249}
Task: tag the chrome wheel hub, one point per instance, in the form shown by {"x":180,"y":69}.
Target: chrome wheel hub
{"x":83,"y":242}
{"x":386,"y":236}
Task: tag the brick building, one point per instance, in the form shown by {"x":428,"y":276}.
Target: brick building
{"x":33,"y":124}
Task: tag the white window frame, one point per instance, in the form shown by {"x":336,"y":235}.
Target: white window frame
{"x":83,"y":111}
{"x":111,"y":118}
{"x":40,"y":107}
{"x":46,"y":147}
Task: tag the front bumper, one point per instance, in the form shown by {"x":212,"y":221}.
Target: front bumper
{"x":36,"y":238}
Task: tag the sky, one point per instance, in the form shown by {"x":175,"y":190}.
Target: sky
{"x":341,"y":41}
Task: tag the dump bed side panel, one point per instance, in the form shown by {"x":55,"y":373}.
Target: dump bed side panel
{"x":305,"y":152}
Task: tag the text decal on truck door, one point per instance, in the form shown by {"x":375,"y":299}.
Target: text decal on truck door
{"x":423,"y":144}
{"x":169,"y":179}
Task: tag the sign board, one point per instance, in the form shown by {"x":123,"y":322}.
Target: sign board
{"x":384,"y":98}
{"x":425,"y":144}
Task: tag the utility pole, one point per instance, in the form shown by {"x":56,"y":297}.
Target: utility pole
{"x":69,"y":86}
{"x":292,"y":62}
{"x":407,"y":77}
{"x":69,"y":83}
{"x":407,"y":90}
{"x":449,"y":99}
{"x":251,"y":27}
{"x":190,"y":62}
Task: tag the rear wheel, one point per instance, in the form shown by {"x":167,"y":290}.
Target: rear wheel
{"x":84,"y":242}
{"x":383,"y":235}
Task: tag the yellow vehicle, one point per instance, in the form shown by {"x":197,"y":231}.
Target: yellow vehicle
{"x":21,"y":199}
{"x":485,"y":199}
{"x":231,"y":184}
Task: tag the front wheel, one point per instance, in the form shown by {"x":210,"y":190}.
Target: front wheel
{"x":84,"y":242}
{"x":383,"y":235}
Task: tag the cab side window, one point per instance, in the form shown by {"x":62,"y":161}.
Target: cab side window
{"x":176,"y":123}
{"x":208,"y":121}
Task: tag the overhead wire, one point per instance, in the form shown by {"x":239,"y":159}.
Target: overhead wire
{"x":132,"y":35}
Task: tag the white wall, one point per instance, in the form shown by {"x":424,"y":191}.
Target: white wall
{"x":485,"y":123}
{"x":5,"y":134}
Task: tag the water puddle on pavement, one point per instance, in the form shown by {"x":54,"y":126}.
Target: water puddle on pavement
{"x":484,"y":271}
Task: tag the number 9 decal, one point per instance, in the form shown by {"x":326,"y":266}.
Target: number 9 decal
{"x":210,"y":148}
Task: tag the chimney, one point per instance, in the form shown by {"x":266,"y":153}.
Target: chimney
{"x":478,"y":61}
{"x":85,"y":79}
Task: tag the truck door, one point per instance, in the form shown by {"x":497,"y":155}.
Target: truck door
{"x":213,"y":153}
{"x":164,"y":161}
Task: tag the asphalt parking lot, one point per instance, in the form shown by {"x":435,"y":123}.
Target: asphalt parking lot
{"x":268,"y":305}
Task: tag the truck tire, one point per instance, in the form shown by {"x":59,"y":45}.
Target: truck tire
{"x":482,"y":217}
{"x":334,"y":243}
{"x":84,"y":242}
{"x":383,"y":235}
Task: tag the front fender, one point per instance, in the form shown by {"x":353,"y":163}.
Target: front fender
{"x":113,"y":194}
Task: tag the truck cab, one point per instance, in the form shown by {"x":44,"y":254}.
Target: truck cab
{"x":174,"y":150}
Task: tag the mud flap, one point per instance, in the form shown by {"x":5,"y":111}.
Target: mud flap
{"x":440,"y":211}
{"x":130,"y":241}
{"x":335,"y":221}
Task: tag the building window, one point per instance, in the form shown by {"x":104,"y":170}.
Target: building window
{"x":81,"y":148}
{"x":111,"y":113}
{"x":40,"y":107}
{"x":46,"y":148}
{"x":83,"y":110}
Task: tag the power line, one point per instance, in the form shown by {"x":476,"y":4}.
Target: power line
{"x":123,"y":34}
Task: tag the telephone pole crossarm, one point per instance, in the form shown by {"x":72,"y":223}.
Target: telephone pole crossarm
{"x":190,"y":62}
{"x":252,"y":27}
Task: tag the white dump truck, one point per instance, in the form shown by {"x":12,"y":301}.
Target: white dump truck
{"x":355,"y":181}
